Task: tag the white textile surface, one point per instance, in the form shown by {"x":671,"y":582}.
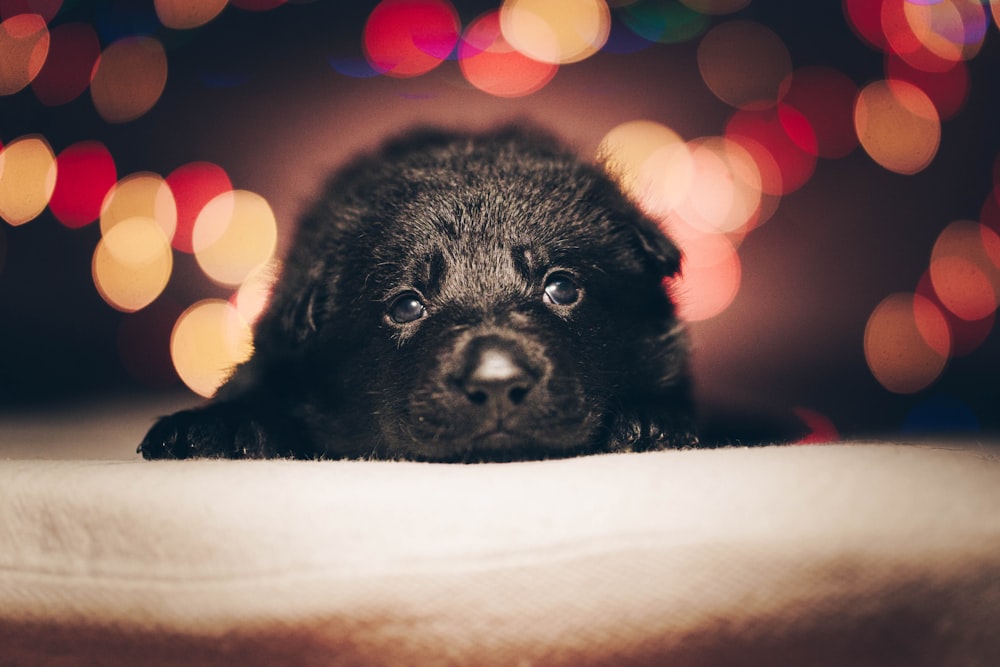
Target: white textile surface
{"x":859,"y":554}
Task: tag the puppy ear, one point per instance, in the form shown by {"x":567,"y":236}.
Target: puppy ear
{"x":663,"y":256}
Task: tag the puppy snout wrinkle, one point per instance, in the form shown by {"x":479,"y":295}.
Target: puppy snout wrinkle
{"x":495,"y":377}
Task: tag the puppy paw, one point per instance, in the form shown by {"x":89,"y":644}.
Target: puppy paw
{"x":643,"y":432}
{"x":218,"y":431}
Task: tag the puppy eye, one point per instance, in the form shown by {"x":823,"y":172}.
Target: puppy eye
{"x":561,"y":290}
{"x":406,"y":308}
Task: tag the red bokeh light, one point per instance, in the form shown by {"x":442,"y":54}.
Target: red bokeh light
{"x":193,"y":186}
{"x":947,"y":89}
{"x":47,"y":9}
{"x":491,"y":64}
{"x":865,"y":18}
{"x":785,"y":133}
{"x":821,"y":429}
{"x":86,"y":173}
{"x":406,"y":38}
{"x":73,"y":50}
{"x":825,"y":97}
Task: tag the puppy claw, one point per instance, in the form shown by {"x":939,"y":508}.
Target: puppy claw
{"x":219,"y":431}
{"x":640,"y":434}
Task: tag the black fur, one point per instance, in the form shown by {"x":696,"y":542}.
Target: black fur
{"x":474,"y":226}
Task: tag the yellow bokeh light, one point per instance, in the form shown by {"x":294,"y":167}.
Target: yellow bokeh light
{"x":631,"y":153}
{"x":556,"y":31}
{"x":142,"y":194}
{"x":185,"y":14}
{"x":744,"y":63}
{"x":129,"y":78}
{"x":896,"y":343}
{"x":725,"y":195}
{"x":208,"y":341}
{"x":132,"y":264}
{"x":27,"y":178}
{"x":24,"y":45}
{"x":234,"y":234}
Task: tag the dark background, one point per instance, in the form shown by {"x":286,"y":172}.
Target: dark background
{"x":254,"y":92}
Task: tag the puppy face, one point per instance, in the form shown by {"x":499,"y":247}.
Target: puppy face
{"x":510,"y":305}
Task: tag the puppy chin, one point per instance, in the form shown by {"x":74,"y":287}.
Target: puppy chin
{"x":494,"y":446}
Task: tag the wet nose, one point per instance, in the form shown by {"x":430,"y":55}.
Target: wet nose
{"x":496,"y":377}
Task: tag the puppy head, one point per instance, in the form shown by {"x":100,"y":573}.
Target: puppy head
{"x":487,"y":297}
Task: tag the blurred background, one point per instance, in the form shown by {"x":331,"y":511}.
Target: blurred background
{"x":830,"y":170}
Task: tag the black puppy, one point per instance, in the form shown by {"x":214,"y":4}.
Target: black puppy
{"x":459,"y":297}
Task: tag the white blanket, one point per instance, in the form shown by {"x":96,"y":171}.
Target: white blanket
{"x":812,"y":555}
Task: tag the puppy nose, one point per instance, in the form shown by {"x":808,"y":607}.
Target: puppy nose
{"x":496,"y":377}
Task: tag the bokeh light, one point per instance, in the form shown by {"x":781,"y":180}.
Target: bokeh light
{"x":184,"y":14}
{"x":492,"y":65}
{"x":556,"y":31}
{"x":234,"y":234}
{"x":143,"y":194}
{"x":950,"y":29}
{"x":962,"y":272}
{"x":967,"y":336}
{"x":208,"y":341}
{"x":129,"y":79}
{"x":73,"y":52}
{"x":663,"y":21}
{"x":941,"y":413}
{"x":47,"y":9}
{"x":132,"y":264}
{"x":27,"y":178}
{"x":948,"y":89}
{"x":406,"y":38}
{"x":865,"y":19}
{"x":651,"y":162}
{"x":193,"y":185}
{"x":786,"y":136}
{"x":744,"y":63}
{"x":906,"y":343}
{"x":897,"y":125}
{"x":820,"y":428}
{"x":24,"y":44}
{"x":724,"y":196}
{"x":825,"y":98}
{"x":710,"y":273}
{"x":86,"y":173}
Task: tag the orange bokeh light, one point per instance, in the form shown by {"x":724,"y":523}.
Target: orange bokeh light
{"x":129,"y":78}
{"x":744,"y":63}
{"x":24,"y":45}
{"x":906,"y":343}
{"x":898,"y":125}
